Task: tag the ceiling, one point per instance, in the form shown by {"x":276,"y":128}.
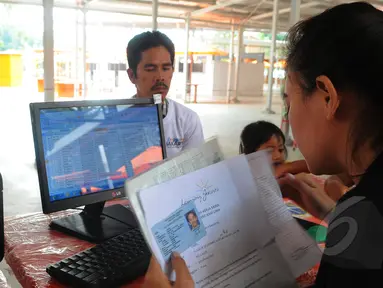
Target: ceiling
{"x":218,"y":14}
{"x":253,"y":14}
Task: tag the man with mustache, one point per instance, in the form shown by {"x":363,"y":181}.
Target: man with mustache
{"x":151,"y":67}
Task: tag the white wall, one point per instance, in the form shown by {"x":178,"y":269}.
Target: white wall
{"x":204,"y":80}
{"x":213,"y":81}
{"x":250,"y":79}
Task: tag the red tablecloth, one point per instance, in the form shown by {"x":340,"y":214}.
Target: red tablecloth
{"x":30,"y":246}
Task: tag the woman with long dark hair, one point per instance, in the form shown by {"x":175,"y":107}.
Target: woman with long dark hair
{"x":334,"y":95}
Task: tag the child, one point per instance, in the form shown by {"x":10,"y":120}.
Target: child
{"x":263,"y":135}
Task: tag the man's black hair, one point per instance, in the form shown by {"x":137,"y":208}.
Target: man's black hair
{"x":258,"y":133}
{"x":344,"y":43}
{"x":145,"y":41}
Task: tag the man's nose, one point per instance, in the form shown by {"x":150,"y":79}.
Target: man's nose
{"x":159,"y":78}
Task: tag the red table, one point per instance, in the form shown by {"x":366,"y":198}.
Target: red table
{"x":30,"y":246}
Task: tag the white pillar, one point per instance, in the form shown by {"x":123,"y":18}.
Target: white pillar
{"x":272,"y":56}
{"x":238,"y":62}
{"x":84,"y":88}
{"x":49,"y":85}
{"x":154,"y":15}
{"x":295,"y":13}
{"x":77,"y":86}
{"x":294,"y":18}
{"x":186,"y":56}
{"x":230,"y":67}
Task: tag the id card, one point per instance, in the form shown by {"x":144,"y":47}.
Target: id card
{"x":179,"y":231}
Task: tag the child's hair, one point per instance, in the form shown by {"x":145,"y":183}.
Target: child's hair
{"x":258,"y":133}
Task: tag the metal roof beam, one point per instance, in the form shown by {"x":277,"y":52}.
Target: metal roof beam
{"x":215,"y":7}
{"x":284,"y":11}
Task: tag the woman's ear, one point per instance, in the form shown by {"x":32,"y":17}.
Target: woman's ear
{"x":330,"y":96}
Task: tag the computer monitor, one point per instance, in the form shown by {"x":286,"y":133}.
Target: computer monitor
{"x":85,"y":150}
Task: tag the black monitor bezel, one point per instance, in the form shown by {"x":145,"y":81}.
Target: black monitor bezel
{"x":59,"y":205}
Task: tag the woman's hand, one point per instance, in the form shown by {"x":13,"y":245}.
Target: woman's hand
{"x":156,"y":278}
{"x":335,"y":188}
{"x":294,"y":167}
{"x":307,"y":193}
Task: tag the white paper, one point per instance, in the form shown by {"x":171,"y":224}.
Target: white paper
{"x":269,"y":189}
{"x":186,"y":162}
{"x":268,"y":247}
{"x":299,"y":250}
{"x":217,"y":261}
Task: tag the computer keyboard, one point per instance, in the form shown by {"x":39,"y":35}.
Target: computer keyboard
{"x":110,"y":264}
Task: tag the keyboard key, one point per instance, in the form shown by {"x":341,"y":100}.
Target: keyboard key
{"x":65,"y":269}
{"x":73,"y":272}
{"x":56,"y":266}
{"x":105,"y":264}
{"x":81,"y":262}
{"x":91,"y":270}
{"x":82,"y":268}
{"x":82,"y":275}
{"x":74,"y":258}
{"x":91,"y":277}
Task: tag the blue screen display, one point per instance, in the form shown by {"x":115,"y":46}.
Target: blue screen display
{"x":96,"y":148}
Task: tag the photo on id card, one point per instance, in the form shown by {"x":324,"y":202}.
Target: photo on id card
{"x":179,"y":231}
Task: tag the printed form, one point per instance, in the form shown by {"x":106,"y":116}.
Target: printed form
{"x":298,"y":249}
{"x":215,"y":217}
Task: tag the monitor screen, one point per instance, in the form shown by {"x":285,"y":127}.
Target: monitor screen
{"x":96,"y":148}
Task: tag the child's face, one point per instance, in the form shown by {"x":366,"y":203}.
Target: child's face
{"x":277,"y":149}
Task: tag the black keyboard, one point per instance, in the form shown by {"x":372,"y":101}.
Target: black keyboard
{"x":110,"y":264}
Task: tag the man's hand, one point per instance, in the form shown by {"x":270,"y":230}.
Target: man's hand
{"x":307,"y":193}
{"x":156,"y":278}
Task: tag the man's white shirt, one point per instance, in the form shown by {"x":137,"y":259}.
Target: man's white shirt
{"x":182,"y":129}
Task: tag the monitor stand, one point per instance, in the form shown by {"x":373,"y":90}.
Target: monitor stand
{"x":97,"y":223}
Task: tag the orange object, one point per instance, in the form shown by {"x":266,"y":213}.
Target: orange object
{"x":40,"y":85}
{"x":41,"y":88}
{"x":123,"y":174}
{"x":65,"y":90}
{"x":146,"y":159}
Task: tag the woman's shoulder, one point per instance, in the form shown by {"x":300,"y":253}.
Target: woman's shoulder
{"x":355,"y":236}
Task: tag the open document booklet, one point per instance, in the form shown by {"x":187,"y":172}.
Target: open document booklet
{"x":225,"y":217}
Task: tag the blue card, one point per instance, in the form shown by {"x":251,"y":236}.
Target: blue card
{"x":180,"y":230}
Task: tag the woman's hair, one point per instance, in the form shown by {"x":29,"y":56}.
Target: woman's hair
{"x":344,"y":43}
{"x":258,"y":133}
